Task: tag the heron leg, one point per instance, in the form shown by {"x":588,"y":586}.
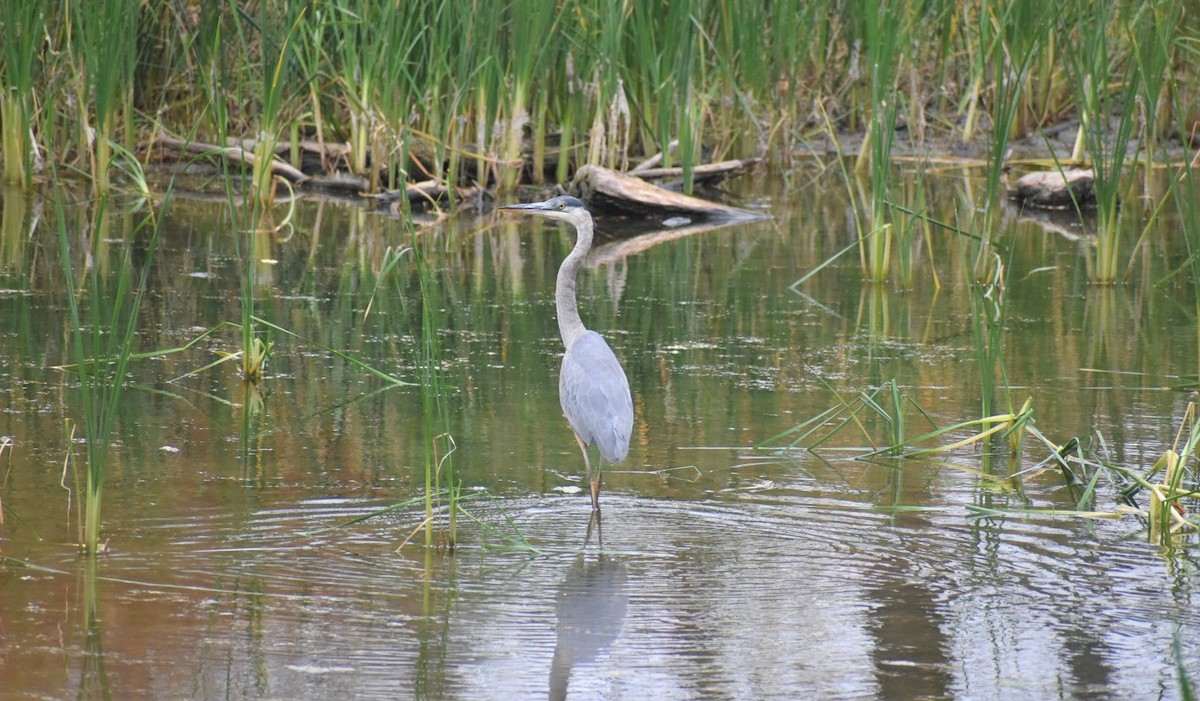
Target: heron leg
{"x":593,"y":476}
{"x":596,"y":492}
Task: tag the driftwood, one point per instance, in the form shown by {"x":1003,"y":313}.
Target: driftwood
{"x":608,"y":189}
{"x":653,"y":161}
{"x":1055,"y":189}
{"x":233,"y":153}
{"x":426,"y":191}
{"x":708,"y":171}
{"x":331,"y":150}
{"x":340,"y":184}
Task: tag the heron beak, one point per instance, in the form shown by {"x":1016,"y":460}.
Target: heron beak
{"x":528,"y":207}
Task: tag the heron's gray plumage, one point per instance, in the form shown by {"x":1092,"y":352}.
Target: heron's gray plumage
{"x":592,"y":387}
{"x":595,"y":396}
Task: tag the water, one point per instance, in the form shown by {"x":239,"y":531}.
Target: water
{"x":725,"y":572}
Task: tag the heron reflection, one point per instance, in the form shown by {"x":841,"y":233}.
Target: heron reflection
{"x":590,"y":611}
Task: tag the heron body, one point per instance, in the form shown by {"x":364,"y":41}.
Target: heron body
{"x":592,"y":386}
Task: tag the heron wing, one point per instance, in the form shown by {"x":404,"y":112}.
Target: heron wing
{"x":595,"y":396}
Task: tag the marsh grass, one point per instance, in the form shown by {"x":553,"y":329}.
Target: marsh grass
{"x":534,"y":34}
{"x":103,"y":339}
{"x":1087,"y":465}
{"x":22,"y":24}
{"x":249,"y":207}
{"x":1107,"y":97}
{"x":536,"y":88}
{"x":881,"y":31}
{"x":275,"y":56}
{"x":889,"y":404}
{"x":5,"y":448}
{"x":435,"y":412}
{"x":885,"y":403}
{"x":1168,"y":514}
{"x":1083,"y":466}
{"x":104,"y":49}
{"x":987,"y":313}
{"x":1154,"y":50}
{"x":439,"y":476}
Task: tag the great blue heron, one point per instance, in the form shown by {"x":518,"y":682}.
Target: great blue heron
{"x":592,"y":386}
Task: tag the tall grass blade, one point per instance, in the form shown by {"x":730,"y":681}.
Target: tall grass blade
{"x":106,"y":332}
{"x":22,"y":28}
{"x":109,"y":56}
{"x":1107,"y":97}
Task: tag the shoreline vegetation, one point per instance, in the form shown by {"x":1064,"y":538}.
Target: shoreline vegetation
{"x":381,"y":96}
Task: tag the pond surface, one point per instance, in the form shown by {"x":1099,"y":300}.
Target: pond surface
{"x":724,"y":571}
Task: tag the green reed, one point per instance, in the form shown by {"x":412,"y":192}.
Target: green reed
{"x":426,"y":87}
{"x":358,"y":38}
{"x":987,"y":311}
{"x":440,"y":478}
{"x":275,"y":56}
{"x":1011,"y":53}
{"x":1186,"y":196}
{"x":1007,"y":56}
{"x":249,"y":203}
{"x":1167,"y":514}
{"x":1106,"y":90}
{"x":534,"y":36}
{"x":22,"y":27}
{"x":452,"y":76}
{"x":665,"y":95}
{"x":103,"y":337}
{"x":880,"y":33}
{"x":435,"y":412}
{"x":376,"y":87}
{"x":1155,"y":48}
{"x":105,"y":50}
{"x":1005,"y":40}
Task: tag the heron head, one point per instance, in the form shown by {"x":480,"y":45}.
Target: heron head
{"x":564,"y":208}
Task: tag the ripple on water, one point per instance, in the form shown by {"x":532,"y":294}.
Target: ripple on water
{"x":783,"y":592}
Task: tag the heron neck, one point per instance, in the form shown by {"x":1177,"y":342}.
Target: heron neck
{"x":570,"y":327}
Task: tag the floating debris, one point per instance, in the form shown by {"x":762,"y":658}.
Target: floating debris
{"x":1061,"y":189}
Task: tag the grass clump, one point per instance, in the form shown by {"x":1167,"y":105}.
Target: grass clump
{"x":21,"y":26}
{"x":103,"y":342}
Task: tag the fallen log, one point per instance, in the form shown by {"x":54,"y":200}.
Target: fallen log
{"x":603,"y":188}
{"x":653,"y":161}
{"x":331,"y":150}
{"x":340,"y":184}
{"x":429,"y":191}
{"x":233,"y":153}
{"x":708,"y":171}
